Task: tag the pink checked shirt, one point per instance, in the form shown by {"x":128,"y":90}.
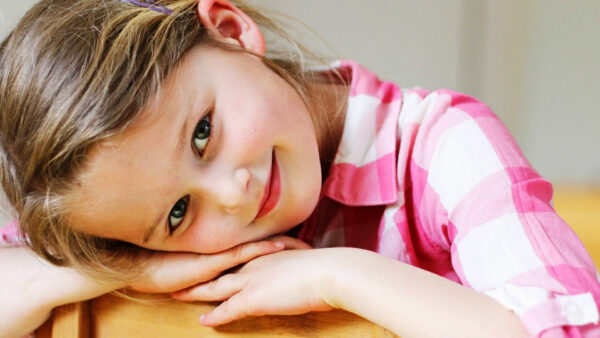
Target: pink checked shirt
{"x":434,"y":179}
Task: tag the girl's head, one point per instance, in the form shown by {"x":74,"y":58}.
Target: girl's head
{"x":164,"y":129}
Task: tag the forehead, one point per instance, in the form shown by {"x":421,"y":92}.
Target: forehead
{"x":120,"y":190}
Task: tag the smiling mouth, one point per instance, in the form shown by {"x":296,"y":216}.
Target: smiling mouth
{"x":272,"y":190}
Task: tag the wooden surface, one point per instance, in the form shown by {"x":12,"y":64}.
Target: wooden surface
{"x":68,"y":321}
{"x":580,"y":208}
{"x":111,"y":316}
{"x":45,"y":331}
{"x":117,"y":317}
{"x":72,"y":320}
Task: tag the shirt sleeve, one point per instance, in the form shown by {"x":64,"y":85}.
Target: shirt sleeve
{"x":493,"y":212}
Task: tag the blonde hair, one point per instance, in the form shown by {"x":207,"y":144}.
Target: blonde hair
{"x":76,"y":72}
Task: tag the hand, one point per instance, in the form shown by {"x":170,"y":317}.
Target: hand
{"x":284,"y":283}
{"x":169,"y":271}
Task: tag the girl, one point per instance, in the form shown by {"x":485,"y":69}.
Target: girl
{"x":157,"y":144}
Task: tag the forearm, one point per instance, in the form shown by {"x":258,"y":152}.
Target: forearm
{"x":30,"y":288}
{"x":412,"y":302}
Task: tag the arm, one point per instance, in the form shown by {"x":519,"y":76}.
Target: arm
{"x":409,"y":301}
{"x":30,"y":288}
{"x":413,"y":302}
{"x":487,"y":206}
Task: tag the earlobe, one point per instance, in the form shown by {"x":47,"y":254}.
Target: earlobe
{"x":226,"y":22}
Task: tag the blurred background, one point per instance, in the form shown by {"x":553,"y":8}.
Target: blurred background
{"x":535,"y":63}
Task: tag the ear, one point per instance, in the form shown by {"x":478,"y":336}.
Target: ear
{"x":227,"y":22}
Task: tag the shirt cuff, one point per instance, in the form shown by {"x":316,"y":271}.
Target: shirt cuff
{"x":561,"y":311}
{"x":539,"y":311}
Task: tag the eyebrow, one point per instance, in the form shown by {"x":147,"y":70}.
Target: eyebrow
{"x":182,"y":136}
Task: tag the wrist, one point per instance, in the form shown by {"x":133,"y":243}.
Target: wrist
{"x":342,"y":275}
{"x":64,"y":285}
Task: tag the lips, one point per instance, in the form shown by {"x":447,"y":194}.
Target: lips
{"x":272,"y":190}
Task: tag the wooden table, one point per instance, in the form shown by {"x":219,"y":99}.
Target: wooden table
{"x":580,"y":208}
{"x":111,"y":316}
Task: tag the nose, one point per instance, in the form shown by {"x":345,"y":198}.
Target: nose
{"x":232,"y":192}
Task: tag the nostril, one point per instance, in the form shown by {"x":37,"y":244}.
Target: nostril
{"x":232,"y":211}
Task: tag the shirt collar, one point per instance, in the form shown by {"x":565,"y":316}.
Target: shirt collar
{"x":364,"y":169}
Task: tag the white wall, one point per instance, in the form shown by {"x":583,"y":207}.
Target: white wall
{"x":410,"y":42}
{"x":561,"y":127}
{"x":534,"y":62}
{"x":10,"y":11}
{"x":542,"y":73}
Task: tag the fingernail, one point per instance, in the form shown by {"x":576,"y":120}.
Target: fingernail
{"x":201,"y":318}
{"x":279,"y":244}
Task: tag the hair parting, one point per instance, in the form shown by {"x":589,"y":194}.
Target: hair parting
{"x":150,"y":4}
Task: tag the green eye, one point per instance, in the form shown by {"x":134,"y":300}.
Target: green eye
{"x":201,"y":135}
{"x":177,"y":214}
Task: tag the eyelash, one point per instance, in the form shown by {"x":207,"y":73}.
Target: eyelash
{"x":207,"y":118}
{"x":186,"y":199}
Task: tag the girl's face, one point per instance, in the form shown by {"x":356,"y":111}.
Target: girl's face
{"x":226,"y":153}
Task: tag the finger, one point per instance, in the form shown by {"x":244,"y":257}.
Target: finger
{"x":228,"y":311}
{"x":290,"y":242}
{"x":165,"y":272}
{"x":219,"y":262}
{"x":215,"y":290}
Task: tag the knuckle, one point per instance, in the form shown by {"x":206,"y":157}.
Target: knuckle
{"x":237,"y":253}
{"x":211,"y":286}
{"x":277,"y":238}
{"x":248,"y":310}
{"x":231,"y":311}
{"x":239,"y":303}
{"x":211,"y":270}
{"x":221,"y":283}
{"x":225,"y":311}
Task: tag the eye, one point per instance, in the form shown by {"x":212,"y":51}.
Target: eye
{"x":177,"y":214}
{"x":202,"y":135}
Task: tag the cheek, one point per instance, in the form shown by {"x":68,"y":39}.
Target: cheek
{"x":207,"y":237}
{"x":249,"y":131}
{"x":253,"y":133}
